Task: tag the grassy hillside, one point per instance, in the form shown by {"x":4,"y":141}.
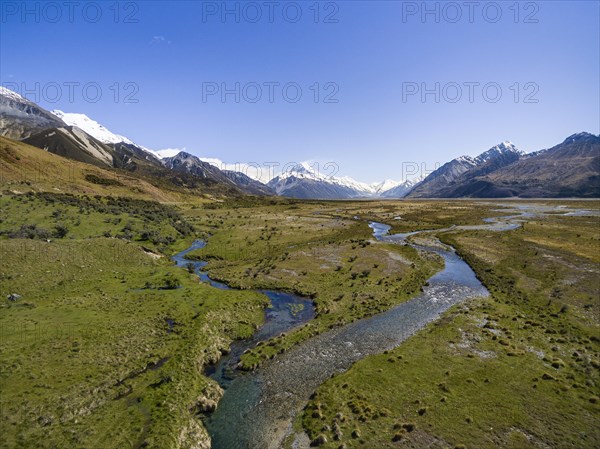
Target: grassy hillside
{"x":25,"y":168}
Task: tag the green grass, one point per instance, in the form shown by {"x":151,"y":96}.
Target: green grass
{"x":517,"y":370}
{"x":89,"y":357}
{"x":48,"y":216}
{"x":332,"y":260}
{"x":98,"y":354}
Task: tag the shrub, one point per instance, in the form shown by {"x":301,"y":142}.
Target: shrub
{"x":30,"y":231}
{"x":170,"y":282}
{"x":60,"y":231}
{"x":94,"y":179}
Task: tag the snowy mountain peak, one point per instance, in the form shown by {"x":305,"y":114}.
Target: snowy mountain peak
{"x":380,"y":187}
{"x":168,"y":152}
{"x":91,"y":127}
{"x":505,"y":147}
{"x":302,"y":168}
{"x":11,"y":94}
{"x":305,"y":180}
{"x":186,"y":155}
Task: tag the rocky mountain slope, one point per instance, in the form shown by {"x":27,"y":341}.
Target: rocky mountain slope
{"x":21,"y":118}
{"x":249,"y":185}
{"x":73,"y":143}
{"x":79,"y":138}
{"x":571,"y":168}
{"x":463,"y":168}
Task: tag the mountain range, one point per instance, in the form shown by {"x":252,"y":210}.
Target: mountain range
{"x":571,"y":168}
{"x":305,"y":181}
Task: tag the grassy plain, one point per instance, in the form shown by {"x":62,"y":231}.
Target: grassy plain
{"x":318,"y":250}
{"x":101,"y":351}
{"x":517,"y":370}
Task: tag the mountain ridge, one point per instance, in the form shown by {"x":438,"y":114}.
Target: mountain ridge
{"x":571,"y":167}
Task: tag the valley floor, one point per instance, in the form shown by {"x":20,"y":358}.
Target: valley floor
{"x":106,"y":344}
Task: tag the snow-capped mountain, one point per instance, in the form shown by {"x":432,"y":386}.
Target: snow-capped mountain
{"x":86,"y":140}
{"x":104,"y":135}
{"x":401,"y":189}
{"x":442,"y":181}
{"x":21,"y":118}
{"x":12,"y":95}
{"x":92,"y":127}
{"x":498,"y":151}
{"x":168,"y":152}
{"x":305,"y":181}
{"x":58,"y":132}
{"x":384,"y":186}
{"x":569,"y":169}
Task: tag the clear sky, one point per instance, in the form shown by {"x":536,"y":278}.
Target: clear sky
{"x":361,"y":67}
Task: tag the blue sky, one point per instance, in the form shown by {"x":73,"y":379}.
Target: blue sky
{"x":374,"y":58}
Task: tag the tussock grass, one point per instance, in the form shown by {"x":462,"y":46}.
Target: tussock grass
{"x":517,"y":370}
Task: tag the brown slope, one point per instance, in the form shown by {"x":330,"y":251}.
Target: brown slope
{"x":25,"y":168}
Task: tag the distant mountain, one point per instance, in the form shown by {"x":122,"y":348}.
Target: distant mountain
{"x":442,"y":177}
{"x":385,"y":186}
{"x":401,"y":189}
{"x":441,"y":182}
{"x":247,"y":184}
{"x":21,"y":118}
{"x":187,"y":163}
{"x":303,"y":181}
{"x":569,"y":169}
{"x":127,"y":155}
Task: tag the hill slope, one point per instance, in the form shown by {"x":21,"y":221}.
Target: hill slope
{"x":25,"y":168}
